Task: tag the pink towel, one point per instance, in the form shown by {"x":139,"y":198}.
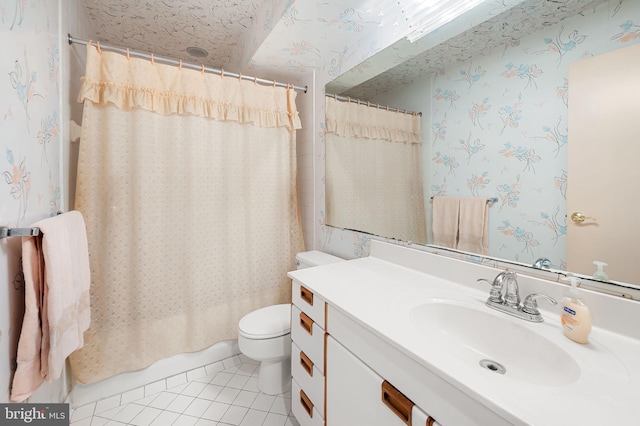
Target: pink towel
{"x":57,"y":278}
{"x":473,"y":225}
{"x":445,"y":221}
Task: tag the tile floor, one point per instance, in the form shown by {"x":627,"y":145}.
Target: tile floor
{"x":223,"y":393}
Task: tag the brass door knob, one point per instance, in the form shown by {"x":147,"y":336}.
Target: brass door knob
{"x":578,"y":217}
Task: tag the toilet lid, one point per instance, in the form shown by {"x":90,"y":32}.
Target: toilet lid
{"x":267,"y":322}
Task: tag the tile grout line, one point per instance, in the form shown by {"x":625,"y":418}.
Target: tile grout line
{"x":236,"y":372}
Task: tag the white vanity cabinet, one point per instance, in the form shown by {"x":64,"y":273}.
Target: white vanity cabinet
{"x":356,"y":395}
{"x":352,"y":393}
{"x":308,"y":323}
{"x":361,"y":337}
{"x":342,"y":374}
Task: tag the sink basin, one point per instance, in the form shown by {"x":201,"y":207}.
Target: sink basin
{"x":469,"y":334}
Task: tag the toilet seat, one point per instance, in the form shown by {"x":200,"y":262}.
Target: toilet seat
{"x":266,"y":323}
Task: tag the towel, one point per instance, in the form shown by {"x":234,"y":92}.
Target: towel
{"x":445,"y":221}
{"x":473,"y":225}
{"x":57,"y":278}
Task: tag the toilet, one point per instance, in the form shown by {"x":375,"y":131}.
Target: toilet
{"x":265,"y":334}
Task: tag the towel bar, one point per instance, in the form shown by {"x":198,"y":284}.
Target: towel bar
{"x":6,"y":232}
{"x":489,"y":200}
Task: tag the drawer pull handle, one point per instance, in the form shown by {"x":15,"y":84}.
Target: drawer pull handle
{"x":306,"y":323}
{"x":306,"y":403}
{"x":306,"y":363}
{"x":306,"y":295}
{"x":430,"y":421}
{"x":399,"y":404}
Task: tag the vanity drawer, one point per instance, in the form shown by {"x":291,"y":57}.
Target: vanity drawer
{"x":304,"y":410}
{"x":309,"y":337}
{"x":308,"y":376}
{"x":308,"y":302}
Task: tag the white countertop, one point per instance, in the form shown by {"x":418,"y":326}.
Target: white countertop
{"x":379,"y":295}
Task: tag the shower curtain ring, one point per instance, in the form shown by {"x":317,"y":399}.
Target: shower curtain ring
{"x":240,"y":77}
{"x":99,"y":49}
{"x":128,"y":56}
{"x":202,"y":69}
{"x":152,"y":60}
{"x":222,"y":72}
{"x":180,"y":66}
{"x":255,"y":80}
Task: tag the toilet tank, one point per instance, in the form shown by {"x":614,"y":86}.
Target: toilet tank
{"x":307,"y":259}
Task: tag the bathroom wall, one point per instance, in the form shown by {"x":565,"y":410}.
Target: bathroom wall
{"x":35,"y":109}
{"x":510,"y":106}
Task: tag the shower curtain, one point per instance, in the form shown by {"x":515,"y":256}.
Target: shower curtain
{"x":373,"y":171}
{"x":187,"y":182}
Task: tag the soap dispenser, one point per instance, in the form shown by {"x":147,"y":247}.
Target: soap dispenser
{"x":600,"y":274}
{"x":575,"y":316}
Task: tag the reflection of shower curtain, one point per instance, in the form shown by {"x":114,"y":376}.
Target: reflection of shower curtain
{"x":187,"y":184}
{"x":373,"y":171}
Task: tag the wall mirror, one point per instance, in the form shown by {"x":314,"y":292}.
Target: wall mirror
{"x":494,"y":98}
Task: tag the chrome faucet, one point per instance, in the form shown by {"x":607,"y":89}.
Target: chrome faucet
{"x":510,"y":303}
{"x":512,"y":293}
{"x":542,"y":263}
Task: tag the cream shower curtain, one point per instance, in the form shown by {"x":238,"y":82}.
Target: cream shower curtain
{"x":187,"y":182}
{"x":373,"y":171}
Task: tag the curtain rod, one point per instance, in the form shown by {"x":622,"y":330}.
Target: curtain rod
{"x":369,"y":104}
{"x":192,"y":66}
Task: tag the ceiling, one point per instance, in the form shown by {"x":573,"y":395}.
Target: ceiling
{"x":288,"y":37}
{"x":167,"y":28}
{"x":237,"y":34}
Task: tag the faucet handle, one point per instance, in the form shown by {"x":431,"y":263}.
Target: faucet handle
{"x":542,"y":263}
{"x":530,"y":305}
{"x":495,"y":295}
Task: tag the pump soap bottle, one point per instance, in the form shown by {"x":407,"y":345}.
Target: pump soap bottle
{"x":575,"y":317}
{"x":600,"y":274}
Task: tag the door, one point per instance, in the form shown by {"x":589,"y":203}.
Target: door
{"x":604,"y":164}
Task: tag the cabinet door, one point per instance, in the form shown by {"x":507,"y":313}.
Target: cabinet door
{"x":355,"y":392}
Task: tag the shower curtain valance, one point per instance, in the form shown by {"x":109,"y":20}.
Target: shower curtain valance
{"x":359,"y":121}
{"x":134,"y":83}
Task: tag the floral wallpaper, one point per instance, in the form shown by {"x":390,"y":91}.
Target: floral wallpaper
{"x":33,"y":102}
{"x":499,"y":129}
{"x":29,"y":106}
{"x":29,"y":144}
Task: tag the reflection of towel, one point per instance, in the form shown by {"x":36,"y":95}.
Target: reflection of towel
{"x":56,"y":272}
{"x":473,"y":225}
{"x":445,"y":221}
